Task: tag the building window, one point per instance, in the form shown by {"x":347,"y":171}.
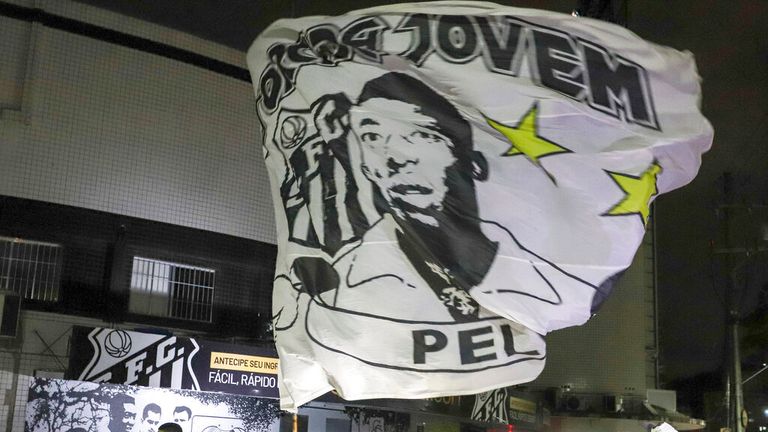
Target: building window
{"x":31,"y":269}
{"x":173,"y":290}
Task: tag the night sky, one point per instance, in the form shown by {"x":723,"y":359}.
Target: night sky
{"x":730,"y":42}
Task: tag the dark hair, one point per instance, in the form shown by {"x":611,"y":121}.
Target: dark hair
{"x":152,"y":407}
{"x":182,"y":408}
{"x":405,"y":88}
{"x":169,"y":427}
{"x":119,"y":400}
{"x":117,"y":410}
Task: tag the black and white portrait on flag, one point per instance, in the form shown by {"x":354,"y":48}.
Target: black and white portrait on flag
{"x":444,"y":196}
{"x":421,"y":259}
{"x":417,"y":152}
{"x":427,"y":237}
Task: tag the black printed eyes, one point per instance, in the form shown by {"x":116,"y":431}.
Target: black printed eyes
{"x":370,"y":137}
{"x":414,"y":137}
{"x":432,"y":137}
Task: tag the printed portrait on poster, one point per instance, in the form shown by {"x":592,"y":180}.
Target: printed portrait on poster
{"x":75,"y":406}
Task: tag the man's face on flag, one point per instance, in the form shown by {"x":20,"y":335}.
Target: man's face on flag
{"x":405,"y":155}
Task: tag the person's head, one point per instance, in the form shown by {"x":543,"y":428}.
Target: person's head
{"x":151,"y":417}
{"x":122,"y":413}
{"x":416,"y":148}
{"x":181,"y":415}
{"x":101,"y":417}
{"x":169,"y":427}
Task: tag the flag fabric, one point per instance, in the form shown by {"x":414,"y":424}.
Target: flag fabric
{"x":454,"y":180}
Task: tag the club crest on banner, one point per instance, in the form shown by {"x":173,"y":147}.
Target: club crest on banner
{"x":491,"y":407}
{"x":155,"y":360}
{"x":149,"y":360}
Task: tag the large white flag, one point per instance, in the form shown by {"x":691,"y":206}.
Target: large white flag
{"x":453,"y":180}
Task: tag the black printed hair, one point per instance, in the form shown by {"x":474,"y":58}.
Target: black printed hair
{"x":405,"y":88}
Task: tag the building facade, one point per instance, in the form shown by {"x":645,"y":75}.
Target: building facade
{"x":133,"y":195}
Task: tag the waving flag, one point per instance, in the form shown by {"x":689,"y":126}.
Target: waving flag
{"x":454,"y":180}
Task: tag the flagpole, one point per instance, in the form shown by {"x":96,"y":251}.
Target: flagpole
{"x":734,"y":393}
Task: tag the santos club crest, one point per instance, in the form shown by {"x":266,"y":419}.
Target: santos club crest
{"x":140,"y":359}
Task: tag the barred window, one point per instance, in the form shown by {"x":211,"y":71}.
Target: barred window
{"x":173,"y":290}
{"x":30,"y":269}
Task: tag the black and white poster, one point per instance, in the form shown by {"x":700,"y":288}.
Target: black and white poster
{"x":75,"y":406}
{"x":377,"y":420}
{"x":156,"y":360}
{"x":452,"y":181}
{"x":505,"y":406}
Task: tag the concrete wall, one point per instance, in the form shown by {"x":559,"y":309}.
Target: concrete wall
{"x":100,"y":125}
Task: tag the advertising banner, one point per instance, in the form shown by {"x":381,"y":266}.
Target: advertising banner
{"x":75,"y":406}
{"x":156,"y":360}
{"x":452,"y":180}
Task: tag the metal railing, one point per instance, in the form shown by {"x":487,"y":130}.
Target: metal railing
{"x":31,"y":269}
{"x":173,"y":290}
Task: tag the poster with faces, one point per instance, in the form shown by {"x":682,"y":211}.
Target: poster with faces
{"x":76,"y":406}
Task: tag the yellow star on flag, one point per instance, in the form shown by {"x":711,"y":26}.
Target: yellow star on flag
{"x":525,"y":138}
{"x":638,"y":191}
